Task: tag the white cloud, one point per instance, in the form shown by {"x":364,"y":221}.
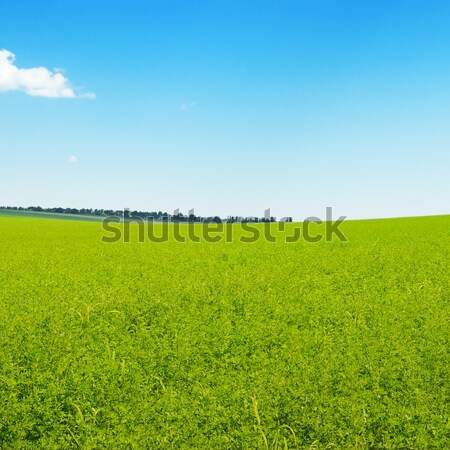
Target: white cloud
{"x":72,"y":159}
{"x":37,"y":81}
{"x":89,"y":95}
{"x":185,"y":106}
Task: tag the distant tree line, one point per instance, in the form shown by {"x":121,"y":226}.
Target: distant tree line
{"x":157,"y":216}
{"x":82,"y":211}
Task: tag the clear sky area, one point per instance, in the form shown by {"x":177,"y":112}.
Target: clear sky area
{"x":227,"y":106}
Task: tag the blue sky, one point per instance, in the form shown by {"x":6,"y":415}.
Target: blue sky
{"x":229,"y":107}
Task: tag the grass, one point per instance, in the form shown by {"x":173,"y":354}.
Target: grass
{"x":224,"y":346}
{"x":45,"y":215}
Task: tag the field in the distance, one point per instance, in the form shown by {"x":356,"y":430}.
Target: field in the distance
{"x":224,"y":346}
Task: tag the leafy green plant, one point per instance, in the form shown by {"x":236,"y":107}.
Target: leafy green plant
{"x":224,"y":346}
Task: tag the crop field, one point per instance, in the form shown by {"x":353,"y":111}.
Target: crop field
{"x":44,"y":215}
{"x":221,"y":345}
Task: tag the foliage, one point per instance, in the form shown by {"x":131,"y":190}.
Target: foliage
{"x":224,"y":346}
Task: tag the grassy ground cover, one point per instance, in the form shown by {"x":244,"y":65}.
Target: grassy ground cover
{"x":224,"y":346}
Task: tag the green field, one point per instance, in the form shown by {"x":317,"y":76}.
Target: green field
{"x":45,"y":215}
{"x":224,"y":346}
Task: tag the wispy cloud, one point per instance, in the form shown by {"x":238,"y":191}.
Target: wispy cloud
{"x":37,"y":81}
{"x":185,"y":106}
{"x":72,"y":159}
